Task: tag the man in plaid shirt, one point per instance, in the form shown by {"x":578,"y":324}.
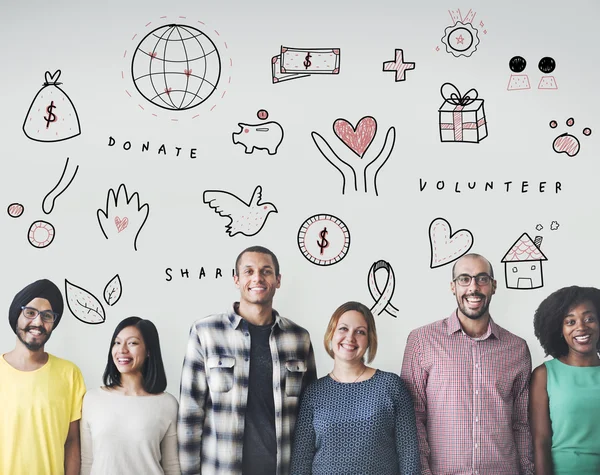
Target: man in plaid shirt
{"x":243,"y":373}
{"x":469,"y":379}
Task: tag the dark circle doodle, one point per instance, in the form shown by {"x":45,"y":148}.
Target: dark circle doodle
{"x":517,"y":64}
{"x":176,"y":67}
{"x":547,"y":65}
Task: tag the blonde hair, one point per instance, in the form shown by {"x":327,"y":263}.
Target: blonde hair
{"x":371,"y":330}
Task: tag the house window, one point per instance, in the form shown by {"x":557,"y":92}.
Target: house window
{"x":533,"y":267}
{"x":515,"y":270}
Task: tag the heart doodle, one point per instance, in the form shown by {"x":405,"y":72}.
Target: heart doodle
{"x":446,"y":246}
{"x":356,"y":139}
{"x":121,"y":223}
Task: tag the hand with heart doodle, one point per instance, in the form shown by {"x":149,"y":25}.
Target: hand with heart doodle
{"x":123,"y":216}
{"x":355,"y":168}
{"x":446,"y":246}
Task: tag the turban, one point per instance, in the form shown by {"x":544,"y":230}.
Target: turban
{"x":43,"y":289}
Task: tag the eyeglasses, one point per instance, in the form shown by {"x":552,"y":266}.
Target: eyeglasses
{"x":481,"y":279}
{"x":47,"y":316}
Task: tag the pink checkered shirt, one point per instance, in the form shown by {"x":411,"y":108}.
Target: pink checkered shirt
{"x":470,"y":398}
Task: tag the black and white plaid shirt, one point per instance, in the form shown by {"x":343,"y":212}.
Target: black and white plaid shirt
{"x":214,"y":391}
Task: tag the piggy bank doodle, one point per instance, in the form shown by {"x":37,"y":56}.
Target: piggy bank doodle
{"x":266,"y":136}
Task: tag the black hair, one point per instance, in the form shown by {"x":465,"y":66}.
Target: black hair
{"x":261,"y":250}
{"x":154,"y":379}
{"x":549,"y":316}
{"x":476,"y":256}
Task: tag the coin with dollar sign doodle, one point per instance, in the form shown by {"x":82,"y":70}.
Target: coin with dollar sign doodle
{"x":324,"y":239}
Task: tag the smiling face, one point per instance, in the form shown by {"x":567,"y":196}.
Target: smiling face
{"x":581,"y":329}
{"x":129,"y":351}
{"x":473,"y":300}
{"x":256,"y":278}
{"x":35,"y":333}
{"x":350,"y":339}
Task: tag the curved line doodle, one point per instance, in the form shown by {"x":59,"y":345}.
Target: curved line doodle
{"x":51,"y":196}
{"x":132,"y":216}
{"x":445,"y":245}
{"x":264,"y":136}
{"x":244,"y":218}
{"x":382,"y":298}
{"x":358,"y":139}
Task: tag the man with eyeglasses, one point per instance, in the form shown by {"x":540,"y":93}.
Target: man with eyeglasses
{"x":242,"y":377}
{"x":469,"y":379}
{"x":40,"y":394}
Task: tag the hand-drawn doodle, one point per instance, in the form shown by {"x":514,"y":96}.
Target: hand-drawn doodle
{"x":358,"y":139}
{"x":113,"y":290}
{"x":295,"y":63}
{"x":265,"y":136}
{"x":567,"y":143}
{"x":262,"y":114}
{"x":41,"y":234}
{"x":59,"y":188}
{"x":176,"y":67}
{"x":539,"y":227}
{"x":244,"y":218}
{"x":554,"y":225}
{"x":84,"y":305}
{"x":383,"y":298}
{"x":52,"y":116}
{"x":523,"y":264}
{"x":15,"y":210}
{"x":398,"y":65}
{"x":445,"y":245}
{"x":122,"y":212}
{"x":547,"y":65}
{"x":462,"y":117}
{"x":324,"y":239}
{"x":461,"y":38}
{"x":518,"y":82}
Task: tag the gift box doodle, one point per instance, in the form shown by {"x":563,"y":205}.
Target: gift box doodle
{"x":462,"y":117}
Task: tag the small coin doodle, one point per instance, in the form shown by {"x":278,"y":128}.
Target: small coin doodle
{"x":324,"y":239}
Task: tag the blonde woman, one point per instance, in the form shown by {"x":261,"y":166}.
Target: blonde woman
{"x":357,"y":419}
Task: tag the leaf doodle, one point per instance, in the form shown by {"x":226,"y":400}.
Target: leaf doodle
{"x":83,"y":304}
{"x":113,"y":290}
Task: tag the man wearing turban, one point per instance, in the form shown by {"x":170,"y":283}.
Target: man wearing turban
{"x":40,"y":394}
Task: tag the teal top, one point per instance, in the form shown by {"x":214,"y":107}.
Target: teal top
{"x":574,"y":397}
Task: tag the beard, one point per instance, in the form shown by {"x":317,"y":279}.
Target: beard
{"x":37,"y":344}
{"x":474,"y":314}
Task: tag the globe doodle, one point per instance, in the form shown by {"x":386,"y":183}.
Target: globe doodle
{"x":176,"y":67}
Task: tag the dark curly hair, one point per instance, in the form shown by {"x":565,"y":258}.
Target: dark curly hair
{"x":549,"y":316}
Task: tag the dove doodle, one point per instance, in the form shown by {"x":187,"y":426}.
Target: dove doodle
{"x":244,"y":218}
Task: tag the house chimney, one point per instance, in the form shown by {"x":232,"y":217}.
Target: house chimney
{"x":538,"y":241}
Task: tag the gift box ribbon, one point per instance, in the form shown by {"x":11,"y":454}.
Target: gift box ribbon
{"x":452,"y":95}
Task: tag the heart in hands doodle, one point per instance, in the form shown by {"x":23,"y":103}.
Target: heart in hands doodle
{"x":355,"y":168}
{"x":121,"y":204}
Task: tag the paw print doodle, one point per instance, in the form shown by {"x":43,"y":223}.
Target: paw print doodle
{"x":567,"y":143}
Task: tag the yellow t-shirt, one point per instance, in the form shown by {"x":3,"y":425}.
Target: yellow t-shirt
{"x":36,"y":408}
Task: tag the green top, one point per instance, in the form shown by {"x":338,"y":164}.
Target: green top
{"x":574,"y":397}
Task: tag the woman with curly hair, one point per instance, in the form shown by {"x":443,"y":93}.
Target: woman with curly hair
{"x":564,"y":398}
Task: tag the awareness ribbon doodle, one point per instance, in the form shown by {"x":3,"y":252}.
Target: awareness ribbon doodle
{"x":382,"y":299}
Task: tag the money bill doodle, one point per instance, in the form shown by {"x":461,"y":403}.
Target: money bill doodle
{"x":295,"y":63}
{"x":51,"y":116}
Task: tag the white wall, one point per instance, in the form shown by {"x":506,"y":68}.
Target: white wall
{"x":88,"y":43}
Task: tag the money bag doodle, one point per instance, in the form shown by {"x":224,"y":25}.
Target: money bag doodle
{"x":52,"y":116}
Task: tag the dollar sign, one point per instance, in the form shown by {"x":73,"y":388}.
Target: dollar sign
{"x":51,"y":116}
{"x":323,"y":243}
{"x":307,"y":65}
